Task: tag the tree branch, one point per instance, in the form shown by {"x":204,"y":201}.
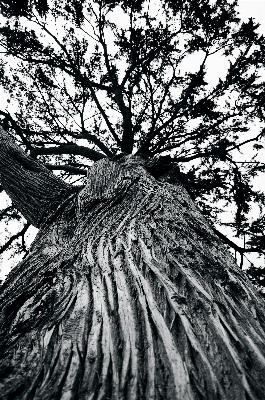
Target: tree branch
{"x":144,"y":147}
{"x":34,"y":190}
{"x":104,"y":115}
{"x":76,"y":73}
{"x":67,"y":168}
{"x":14,"y":237}
{"x":97,"y":142}
{"x":237,"y":146}
{"x":150,"y":56}
{"x":128,"y":134}
{"x":17,"y":128}
{"x":68,"y":149}
{"x":240,"y":250}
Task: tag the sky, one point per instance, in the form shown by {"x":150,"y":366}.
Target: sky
{"x":255,"y":9}
{"x":247,"y":9}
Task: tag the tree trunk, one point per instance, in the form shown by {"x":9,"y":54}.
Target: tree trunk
{"x":128,"y":294}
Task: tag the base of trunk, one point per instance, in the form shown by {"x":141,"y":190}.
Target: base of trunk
{"x":128,"y":294}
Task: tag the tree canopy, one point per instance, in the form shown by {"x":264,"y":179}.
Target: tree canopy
{"x":86,"y":80}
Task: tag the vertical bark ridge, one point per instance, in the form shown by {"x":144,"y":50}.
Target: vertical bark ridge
{"x":148,"y":346}
{"x":128,"y":294}
{"x":177,"y":303}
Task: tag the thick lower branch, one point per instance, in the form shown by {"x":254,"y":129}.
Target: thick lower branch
{"x":34,"y":190}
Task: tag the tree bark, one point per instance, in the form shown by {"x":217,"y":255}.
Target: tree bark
{"x":34,"y":190}
{"x":127,"y":293}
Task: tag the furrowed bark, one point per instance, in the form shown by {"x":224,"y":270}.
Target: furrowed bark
{"x":127,"y":293}
{"x":34,"y":190}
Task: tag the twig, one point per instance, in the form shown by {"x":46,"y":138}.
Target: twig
{"x":14,"y":237}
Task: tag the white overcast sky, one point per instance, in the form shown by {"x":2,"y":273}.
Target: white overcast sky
{"x":247,"y":9}
{"x":255,"y":9}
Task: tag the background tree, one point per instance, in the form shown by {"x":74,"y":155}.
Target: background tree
{"x":96,"y":82}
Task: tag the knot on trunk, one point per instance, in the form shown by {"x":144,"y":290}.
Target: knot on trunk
{"x":162,"y":168}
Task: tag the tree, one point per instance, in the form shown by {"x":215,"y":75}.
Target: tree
{"x":127,"y":291}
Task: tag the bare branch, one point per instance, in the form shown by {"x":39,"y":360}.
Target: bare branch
{"x":76,"y":73}
{"x":17,"y":128}
{"x":86,"y":81}
{"x":150,"y":56}
{"x":67,"y":168}
{"x":175,"y":110}
{"x":68,"y":149}
{"x":240,"y":250}
{"x":97,"y":142}
{"x":128,"y":134}
{"x":14,"y":237}
{"x":103,"y":113}
{"x":237,"y":146}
